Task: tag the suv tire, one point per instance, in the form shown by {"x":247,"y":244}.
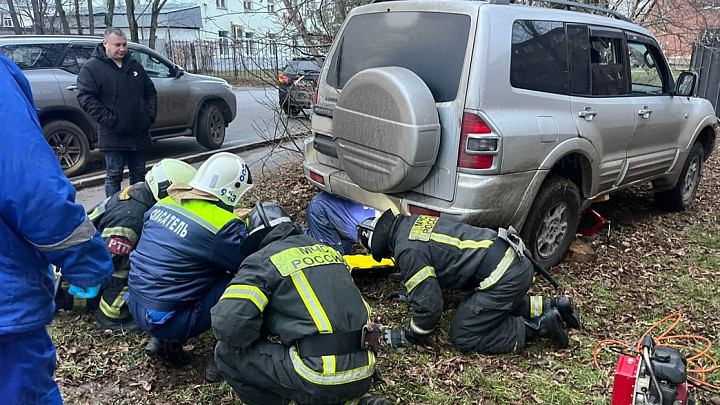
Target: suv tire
{"x":681,"y":196}
{"x":70,"y":145}
{"x":554,"y":218}
{"x":210,"y":127}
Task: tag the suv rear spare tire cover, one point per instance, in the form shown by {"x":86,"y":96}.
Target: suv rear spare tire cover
{"x":387,"y":129}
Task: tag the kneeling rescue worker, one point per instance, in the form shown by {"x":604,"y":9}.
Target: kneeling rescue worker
{"x":120,"y":220}
{"x":497,"y":315}
{"x":190,"y":247}
{"x":301,"y":292}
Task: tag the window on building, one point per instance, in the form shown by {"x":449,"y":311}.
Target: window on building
{"x":221,"y":4}
{"x":7,"y":21}
{"x":238,"y":31}
{"x":251,"y":44}
{"x":248,"y":5}
{"x":224,"y":42}
{"x":271,"y":7}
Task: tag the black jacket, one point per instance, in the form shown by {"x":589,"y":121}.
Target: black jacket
{"x":123,"y":101}
{"x":435,"y":254}
{"x":119,"y":219}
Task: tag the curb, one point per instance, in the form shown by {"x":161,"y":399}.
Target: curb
{"x":93,"y":180}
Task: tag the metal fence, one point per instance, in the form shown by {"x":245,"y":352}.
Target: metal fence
{"x":230,"y":59}
{"x":706,"y":62}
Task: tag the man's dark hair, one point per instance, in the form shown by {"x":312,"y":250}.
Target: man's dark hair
{"x":113,"y":30}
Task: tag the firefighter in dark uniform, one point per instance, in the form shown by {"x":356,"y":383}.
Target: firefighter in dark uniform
{"x":300,"y":292}
{"x":435,"y":254}
{"x":119,"y":218}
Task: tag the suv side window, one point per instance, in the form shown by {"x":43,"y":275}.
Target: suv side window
{"x":152,"y":65}
{"x":33,"y":56}
{"x":539,"y":56}
{"x":75,"y":57}
{"x":607,"y":64}
{"x":647,"y":69}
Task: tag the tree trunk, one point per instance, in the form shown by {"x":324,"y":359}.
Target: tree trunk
{"x":132,"y":21}
{"x":77,"y":17}
{"x":14,"y":17}
{"x":91,"y":18}
{"x":63,"y":17}
{"x":157,"y":5}
{"x":340,"y":9}
{"x":37,"y":17}
{"x":110,"y":12}
{"x":299,"y":23}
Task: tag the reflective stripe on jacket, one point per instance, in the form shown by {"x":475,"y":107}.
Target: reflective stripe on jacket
{"x":40,"y":223}
{"x":292,"y":288}
{"x":183,"y":249}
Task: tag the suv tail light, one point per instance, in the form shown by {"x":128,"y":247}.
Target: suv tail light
{"x":284,"y":79}
{"x":476,"y":152}
{"x":317,"y":177}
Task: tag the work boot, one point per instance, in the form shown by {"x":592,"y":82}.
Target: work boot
{"x":171,"y":353}
{"x":117,"y":325}
{"x":548,"y":325}
{"x":212,"y":372}
{"x":569,"y":314}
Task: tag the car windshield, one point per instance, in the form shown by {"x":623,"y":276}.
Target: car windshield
{"x":403,"y":39}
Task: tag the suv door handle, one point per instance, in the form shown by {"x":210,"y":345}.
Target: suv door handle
{"x":588,"y":113}
{"x":645,"y":112}
{"x":72,"y":87}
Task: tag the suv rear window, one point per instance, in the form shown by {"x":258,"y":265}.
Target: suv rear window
{"x":33,"y":56}
{"x":403,"y":39}
{"x":539,"y":56}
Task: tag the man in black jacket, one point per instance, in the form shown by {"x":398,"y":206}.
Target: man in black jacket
{"x":497,"y":315}
{"x":117,"y":92}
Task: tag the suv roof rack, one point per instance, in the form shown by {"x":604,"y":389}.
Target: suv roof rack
{"x":571,"y":5}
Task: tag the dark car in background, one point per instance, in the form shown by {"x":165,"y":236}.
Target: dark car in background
{"x":188,"y":104}
{"x":297,"y":84}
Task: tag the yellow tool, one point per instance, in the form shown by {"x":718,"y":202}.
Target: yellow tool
{"x":365,"y":262}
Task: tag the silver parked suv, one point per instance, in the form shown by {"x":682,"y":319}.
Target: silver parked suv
{"x":501,"y":114}
{"x":188,"y":104}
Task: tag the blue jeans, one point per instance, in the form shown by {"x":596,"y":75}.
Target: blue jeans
{"x":27,"y":363}
{"x":183,"y":324}
{"x":114,"y":165}
{"x":332,"y":221}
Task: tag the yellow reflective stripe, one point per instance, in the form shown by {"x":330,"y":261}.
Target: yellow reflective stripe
{"x":298,"y":258}
{"x":311,"y":302}
{"x":337,"y":378}
{"x":126,"y":233}
{"x":329,"y":364}
{"x":79,"y":303}
{"x":536,"y":306}
{"x":121,"y":274}
{"x":419,"y":277}
{"x":186,"y":214}
{"x":460,"y":244}
{"x":367,"y":306}
{"x":499,"y":271}
{"x":247,"y":292}
{"x":94,"y":214}
{"x":113,"y":310}
{"x":417,"y":329}
{"x":205,"y":211}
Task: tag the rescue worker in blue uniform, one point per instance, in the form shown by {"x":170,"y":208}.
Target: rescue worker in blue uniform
{"x":189,"y":249}
{"x":333,"y":221}
{"x":40,"y":225}
{"x":435,"y":254}
{"x":120,"y":219}
{"x":301,"y":293}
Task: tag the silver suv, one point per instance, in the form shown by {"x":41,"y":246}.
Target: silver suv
{"x":188,"y":104}
{"x":502,"y":114}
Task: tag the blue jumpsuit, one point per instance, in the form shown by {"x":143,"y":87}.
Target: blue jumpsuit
{"x":40,"y":224}
{"x":332,"y":221}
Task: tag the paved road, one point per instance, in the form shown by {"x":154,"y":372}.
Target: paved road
{"x":256,"y":119}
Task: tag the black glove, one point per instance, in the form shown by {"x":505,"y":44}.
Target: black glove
{"x":400,"y":295}
{"x":395,"y":338}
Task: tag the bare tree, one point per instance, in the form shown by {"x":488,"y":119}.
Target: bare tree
{"x":157,"y":5}
{"x":13,"y":15}
{"x":63,"y":18}
{"x":91,"y":18}
{"x":78,"y":21}
{"x":132,"y":21}
{"x":110,"y":12}
{"x":37,"y":17}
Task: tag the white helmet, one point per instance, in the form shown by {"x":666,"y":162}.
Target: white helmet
{"x":167,"y":172}
{"x":224,"y":175}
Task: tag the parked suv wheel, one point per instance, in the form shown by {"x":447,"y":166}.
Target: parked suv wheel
{"x":679,"y":197}
{"x":70,"y":145}
{"x":552,"y":221}
{"x":211,"y":127}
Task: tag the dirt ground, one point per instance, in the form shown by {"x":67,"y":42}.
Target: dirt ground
{"x":95,"y":367}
